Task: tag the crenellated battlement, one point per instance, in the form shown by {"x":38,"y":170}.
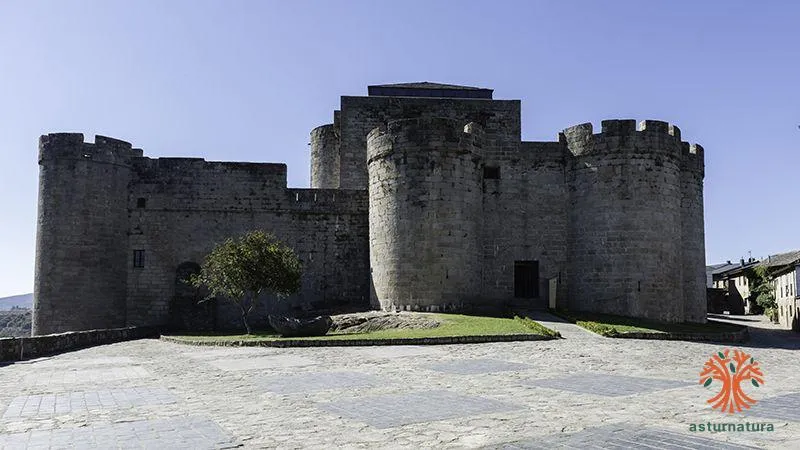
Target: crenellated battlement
{"x":693,"y":158}
{"x":617,"y":135}
{"x":72,"y":146}
{"x":425,"y":134}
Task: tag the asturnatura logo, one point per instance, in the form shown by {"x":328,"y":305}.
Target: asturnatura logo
{"x":727,"y":371}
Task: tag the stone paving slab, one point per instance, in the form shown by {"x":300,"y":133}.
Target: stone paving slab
{"x":607,"y":385}
{"x":396,"y":351}
{"x":257,"y":418}
{"x":261,"y":363}
{"x":783,"y":407}
{"x":387,"y":411}
{"x":94,"y":376}
{"x":83,"y":402}
{"x":611,"y":437}
{"x":81,"y":362}
{"x":476,"y":366}
{"x":318,"y":381}
{"x":173,"y":433}
{"x":229,"y":352}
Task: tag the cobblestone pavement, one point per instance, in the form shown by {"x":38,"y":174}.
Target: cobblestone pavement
{"x":580,"y":391}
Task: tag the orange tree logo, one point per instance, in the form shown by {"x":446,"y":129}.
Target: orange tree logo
{"x":731,"y":371}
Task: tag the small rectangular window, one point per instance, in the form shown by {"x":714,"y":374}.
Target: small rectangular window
{"x":138,"y":258}
{"x":491,"y":173}
{"x":141,"y":202}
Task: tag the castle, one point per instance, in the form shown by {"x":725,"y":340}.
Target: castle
{"x":423,"y":197}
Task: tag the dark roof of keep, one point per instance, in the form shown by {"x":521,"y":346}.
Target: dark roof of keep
{"x":429,"y":85}
{"x":428,"y":89}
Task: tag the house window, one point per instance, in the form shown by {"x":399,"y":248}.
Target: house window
{"x":138,"y":258}
{"x":491,"y":173}
{"x":141,"y":202}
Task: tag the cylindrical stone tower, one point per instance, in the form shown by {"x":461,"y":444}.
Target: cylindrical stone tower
{"x":81,"y":239}
{"x":425,"y":214}
{"x":693,"y":259}
{"x":325,"y":144}
{"x":625,"y":220}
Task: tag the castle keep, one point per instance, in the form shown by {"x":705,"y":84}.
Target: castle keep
{"x":423,"y":197}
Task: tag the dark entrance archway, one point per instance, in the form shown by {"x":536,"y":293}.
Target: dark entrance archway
{"x":186,"y":313}
{"x":526,"y":279}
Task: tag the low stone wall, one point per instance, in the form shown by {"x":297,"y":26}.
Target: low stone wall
{"x":441,"y":340}
{"x":731,"y":336}
{"x":16,"y":349}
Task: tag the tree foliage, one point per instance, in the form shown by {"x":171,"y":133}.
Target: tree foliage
{"x":765,"y":292}
{"x":242,"y":269}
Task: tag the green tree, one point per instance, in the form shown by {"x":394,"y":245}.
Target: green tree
{"x":241,"y":269}
{"x":765,"y":292}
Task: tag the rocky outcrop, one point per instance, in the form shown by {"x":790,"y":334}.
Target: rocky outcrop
{"x":295,"y":327}
{"x":376,"y":320}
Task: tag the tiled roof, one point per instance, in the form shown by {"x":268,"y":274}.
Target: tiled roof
{"x":719,"y":269}
{"x":782,"y":259}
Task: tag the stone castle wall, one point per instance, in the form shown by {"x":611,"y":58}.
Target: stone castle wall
{"x":97,"y":209}
{"x":625,"y":227}
{"x":191,"y":205}
{"x":425,"y":214}
{"x":81,"y":233}
{"x":416,"y":203}
{"x":524,"y":217}
{"x":692,"y":232}
{"x":500,"y":120}
{"x":325,"y":162}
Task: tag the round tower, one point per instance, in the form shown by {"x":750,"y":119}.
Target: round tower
{"x":625,"y":221}
{"x":81,"y":239}
{"x":325,"y":144}
{"x":424,"y":214}
{"x":693,"y":262}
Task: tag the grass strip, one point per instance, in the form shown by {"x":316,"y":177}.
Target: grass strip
{"x":451,"y":325}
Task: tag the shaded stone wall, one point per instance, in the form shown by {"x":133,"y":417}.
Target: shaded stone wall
{"x":325,"y":169}
{"x":81,"y":250}
{"x":192,"y":205}
{"x":625,"y":220}
{"x":693,"y":249}
{"x":524,"y":217}
{"x":16,"y":349}
{"x":500,"y":120}
{"x":425,"y":214}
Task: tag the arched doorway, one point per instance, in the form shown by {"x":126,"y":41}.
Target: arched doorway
{"x":186,"y":312}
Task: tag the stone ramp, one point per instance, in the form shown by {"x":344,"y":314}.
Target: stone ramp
{"x":568,"y":330}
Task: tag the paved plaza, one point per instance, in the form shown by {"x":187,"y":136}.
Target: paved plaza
{"x":583,"y":391}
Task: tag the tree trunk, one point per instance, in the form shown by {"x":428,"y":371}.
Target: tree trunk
{"x":244,"y":317}
{"x":246,"y":325}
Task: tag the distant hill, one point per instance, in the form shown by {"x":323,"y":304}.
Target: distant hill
{"x":22,"y":301}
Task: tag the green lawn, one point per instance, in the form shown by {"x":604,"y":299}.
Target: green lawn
{"x":452,"y":325}
{"x":610,"y":325}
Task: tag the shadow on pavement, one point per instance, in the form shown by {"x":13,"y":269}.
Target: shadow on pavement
{"x":763,"y":333}
{"x":763,"y":338}
{"x":733,"y":319}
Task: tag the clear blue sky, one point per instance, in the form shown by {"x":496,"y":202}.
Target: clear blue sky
{"x":247,"y":80}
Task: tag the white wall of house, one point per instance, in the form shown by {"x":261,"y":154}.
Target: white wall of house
{"x":786,"y":296}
